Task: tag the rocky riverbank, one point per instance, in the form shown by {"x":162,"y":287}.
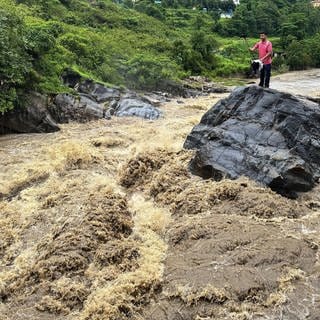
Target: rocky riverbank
{"x":92,"y":101}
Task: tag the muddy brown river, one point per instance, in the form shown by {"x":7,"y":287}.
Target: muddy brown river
{"x":103,"y":221}
{"x":303,"y":82}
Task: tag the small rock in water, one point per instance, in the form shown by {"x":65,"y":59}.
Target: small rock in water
{"x":269,"y":136}
{"x":130,"y":107}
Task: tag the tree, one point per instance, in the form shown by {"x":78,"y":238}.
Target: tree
{"x":205,"y":45}
{"x":298,"y":57}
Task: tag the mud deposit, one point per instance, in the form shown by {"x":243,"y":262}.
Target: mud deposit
{"x":103,"y":221}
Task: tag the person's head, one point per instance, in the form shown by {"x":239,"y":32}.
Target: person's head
{"x":263,"y":36}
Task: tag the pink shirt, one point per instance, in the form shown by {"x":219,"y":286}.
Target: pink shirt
{"x":264,"y":48}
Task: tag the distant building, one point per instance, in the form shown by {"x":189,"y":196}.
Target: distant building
{"x":316,"y":3}
{"x":226,"y":15}
{"x":229,"y":14}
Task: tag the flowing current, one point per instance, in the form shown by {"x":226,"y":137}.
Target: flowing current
{"x":103,"y":221}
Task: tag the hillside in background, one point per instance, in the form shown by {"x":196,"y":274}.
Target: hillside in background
{"x":142,"y":44}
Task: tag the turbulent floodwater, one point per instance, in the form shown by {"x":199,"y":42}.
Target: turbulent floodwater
{"x":304,"y":82}
{"x":103,"y":221}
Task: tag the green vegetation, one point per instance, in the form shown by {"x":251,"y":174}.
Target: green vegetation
{"x":141,"y":44}
{"x":99,"y":39}
{"x":295,"y":22}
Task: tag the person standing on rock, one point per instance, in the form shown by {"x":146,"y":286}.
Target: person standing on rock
{"x":264,"y":48}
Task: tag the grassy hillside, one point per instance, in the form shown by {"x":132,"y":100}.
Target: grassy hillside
{"x":104,"y":41}
{"x":140,"y":44}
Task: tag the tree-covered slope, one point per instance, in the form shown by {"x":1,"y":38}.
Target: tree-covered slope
{"x":100,"y":39}
{"x":141,"y":44}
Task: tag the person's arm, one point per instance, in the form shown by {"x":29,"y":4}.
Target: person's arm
{"x":255,"y":47}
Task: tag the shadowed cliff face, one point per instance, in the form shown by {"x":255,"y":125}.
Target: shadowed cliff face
{"x":33,"y":117}
{"x":103,"y":220}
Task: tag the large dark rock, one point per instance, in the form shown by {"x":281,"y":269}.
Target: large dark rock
{"x":137,"y":107}
{"x":32,"y":118}
{"x":269,"y":136}
{"x":98,"y":92}
{"x":81,"y":108}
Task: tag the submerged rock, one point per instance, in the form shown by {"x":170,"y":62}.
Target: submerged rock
{"x":32,"y":118}
{"x":135,"y":106}
{"x":269,"y":136}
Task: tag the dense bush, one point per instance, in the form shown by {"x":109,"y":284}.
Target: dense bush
{"x":229,"y":67}
{"x":147,"y":72}
{"x":15,"y":63}
{"x":41,"y":37}
{"x":281,"y":17}
{"x":303,"y":54}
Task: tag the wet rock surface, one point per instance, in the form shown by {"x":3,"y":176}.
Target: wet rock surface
{"x":99,"y":92}
{"x":97,"y":101}
{"x":32,"y":118}
{"x":91,"y":100}
{"x":266,"y":135}
{"x":67,"y":107}
{"x":130,"y":107}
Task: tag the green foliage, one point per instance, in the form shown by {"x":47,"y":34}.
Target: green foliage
{"x":313,"y":47}
{"x":210,"y":5}
{"x":14,"y":60}
{"x":204,"y":44}
{"x":139,"y":44}
{"x":297,"y":18}
{"x":228,"y":68}
{"x":150,"y":9}
{"x":298,"y":56}
{"x":147,"y":72}
{"x":41,"y":37}
{"x":305,"y":53}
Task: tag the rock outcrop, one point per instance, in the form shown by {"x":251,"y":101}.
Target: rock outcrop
{"x":32,"y":118}
{"x":266,"y":135}
{"x":98,"y":92}
{"x":82,"y":108}
{"x":136,"y":107}
{"x":97,"y":101}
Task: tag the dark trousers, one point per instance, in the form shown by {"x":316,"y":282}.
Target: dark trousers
{"x":265,"y":75}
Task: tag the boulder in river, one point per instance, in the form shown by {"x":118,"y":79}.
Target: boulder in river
{"x":81,"y":108}
{"x":131,"y":106}
{"x":98,"y":92}
{"x":31,"y":118}
{"x":269,"y":136}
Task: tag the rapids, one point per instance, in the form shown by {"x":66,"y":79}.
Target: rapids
{"x":103,"y":221}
